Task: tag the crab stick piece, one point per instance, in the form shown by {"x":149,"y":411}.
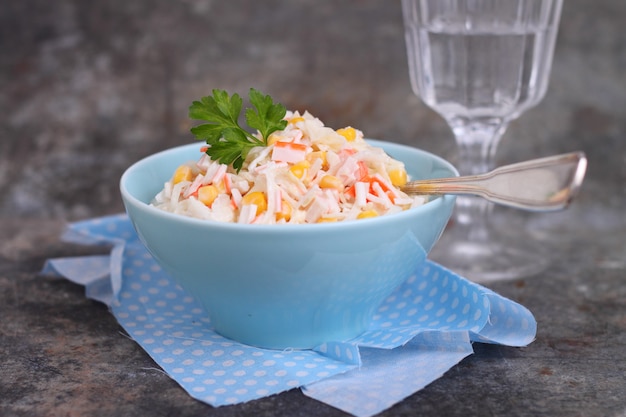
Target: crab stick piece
{"x":379,"y":192}
{"x":228,"y":184}
{"x":235,"y":197}
{"x":361,"y":189}
{"x":316,"y":210}
{"x":247,"y":214}
{"x":289,"y":152}
{"x":219,"y":175}
{"x":195,"y":185}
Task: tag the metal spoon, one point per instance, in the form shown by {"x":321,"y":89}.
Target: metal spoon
{"x":543,"y":184}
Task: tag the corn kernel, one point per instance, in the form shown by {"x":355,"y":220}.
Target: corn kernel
{"x":285,"y":212}
{"x":327,"y":220}
{"x":182,"y":173}
{"x":272,"y":139}
{"x":221,"y":185}
{"x":299,"y":168}
{"x":330,"y":181}
{"x":207,"y":194}
{"x":366,"y":214}
{"x":311,"y":157}
{"x":258,"y":199}
{"x":398,"y":177}
{"x":296,"y":119}
{"x":348,"y":132}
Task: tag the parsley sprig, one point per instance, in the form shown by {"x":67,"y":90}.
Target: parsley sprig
{"x":228,"y":142}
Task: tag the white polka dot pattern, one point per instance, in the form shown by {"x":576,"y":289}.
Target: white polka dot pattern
{"x":389,"y":376}
{"x":425,"y":327}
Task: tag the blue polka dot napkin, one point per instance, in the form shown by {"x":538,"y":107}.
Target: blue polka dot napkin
{"x":423,"y":329}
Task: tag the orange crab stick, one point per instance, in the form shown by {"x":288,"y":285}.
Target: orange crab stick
{"x":289,"y":152}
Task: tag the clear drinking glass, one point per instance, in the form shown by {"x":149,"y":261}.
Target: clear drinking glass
{"x":480,"y":64}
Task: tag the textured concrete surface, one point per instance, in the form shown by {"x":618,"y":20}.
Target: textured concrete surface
{"x":87,"y":88}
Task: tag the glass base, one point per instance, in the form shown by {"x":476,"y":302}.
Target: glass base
{"x":492,"y":257}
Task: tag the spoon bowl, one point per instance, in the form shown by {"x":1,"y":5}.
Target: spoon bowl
{"x":544,"y":184}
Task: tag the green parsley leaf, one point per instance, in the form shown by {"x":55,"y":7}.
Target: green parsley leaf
{"x":268,"y":117}
{"x":232,"y":150}
{"x":228,"y":142}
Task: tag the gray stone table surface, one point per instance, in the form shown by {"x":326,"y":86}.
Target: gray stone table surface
{"x":88,"y":87}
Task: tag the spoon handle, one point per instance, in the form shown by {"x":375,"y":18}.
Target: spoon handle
{"x":543,"y":184}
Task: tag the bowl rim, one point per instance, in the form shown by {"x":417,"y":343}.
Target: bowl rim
{"x":129,"y":198}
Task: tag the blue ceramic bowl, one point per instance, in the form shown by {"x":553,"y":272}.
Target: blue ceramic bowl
{"x":287,"y":286}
